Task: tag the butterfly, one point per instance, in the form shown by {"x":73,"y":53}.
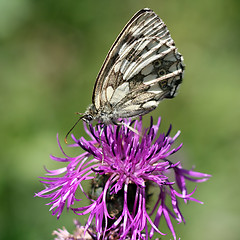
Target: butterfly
{"x":142,"y":68}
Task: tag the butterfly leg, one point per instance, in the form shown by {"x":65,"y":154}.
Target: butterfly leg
{"x":124,"y":124}
{"x":100,"y":139}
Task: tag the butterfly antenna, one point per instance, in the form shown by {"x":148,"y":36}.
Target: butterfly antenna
{"x":65,"y":139}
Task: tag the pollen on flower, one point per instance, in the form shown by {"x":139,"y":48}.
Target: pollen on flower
{"x":122,"y":167}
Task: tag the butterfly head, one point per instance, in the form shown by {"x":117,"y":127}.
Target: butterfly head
{"x":87,"y":118}
{"x":90,"y":114}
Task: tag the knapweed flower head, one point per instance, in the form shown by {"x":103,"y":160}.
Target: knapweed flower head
{"x":123,"y":163}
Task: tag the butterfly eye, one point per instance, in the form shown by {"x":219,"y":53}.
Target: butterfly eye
{"x":87,"y":118}
{"x":157,"y":63}
{"x":161,"y":72}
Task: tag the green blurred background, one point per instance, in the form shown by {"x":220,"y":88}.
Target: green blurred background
{"x":50,"y":54}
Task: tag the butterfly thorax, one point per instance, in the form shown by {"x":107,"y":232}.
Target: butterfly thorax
{"x":103,"y":115}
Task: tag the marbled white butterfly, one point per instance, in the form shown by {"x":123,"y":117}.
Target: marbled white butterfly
{"x":142,"y":68}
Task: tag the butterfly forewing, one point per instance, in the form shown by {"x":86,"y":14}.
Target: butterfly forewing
{"x":142,"y":68}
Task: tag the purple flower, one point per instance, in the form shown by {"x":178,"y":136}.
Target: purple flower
{"x":122,"y":164}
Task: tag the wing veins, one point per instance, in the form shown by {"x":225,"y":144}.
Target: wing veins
{"x":143,"y":86}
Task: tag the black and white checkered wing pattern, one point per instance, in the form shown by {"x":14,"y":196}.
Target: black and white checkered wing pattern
{"x":142,"y":67}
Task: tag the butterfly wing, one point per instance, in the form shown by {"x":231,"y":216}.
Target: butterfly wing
{"x":142,"y":67}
